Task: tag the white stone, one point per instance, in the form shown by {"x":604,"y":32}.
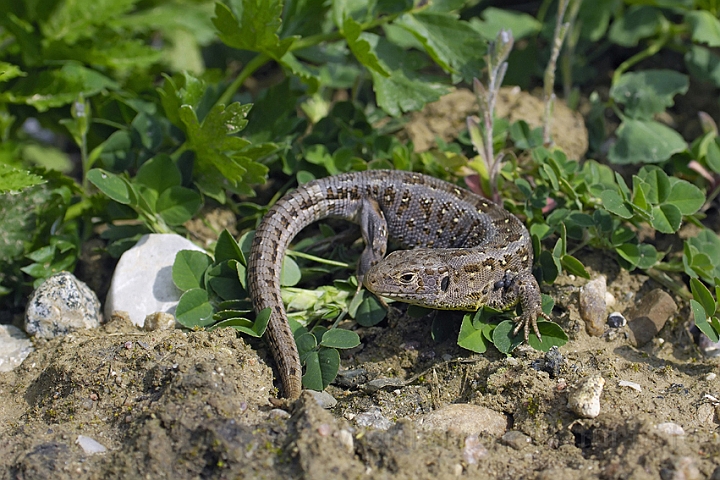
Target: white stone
{"x":14,"y":347}
{"x":671,"y":429}
{"x":633,"y":385}
{"x":61,"y":305}
{"x":142,"y":283}
{"x":585,"y":401}
{"x":89,"y":445}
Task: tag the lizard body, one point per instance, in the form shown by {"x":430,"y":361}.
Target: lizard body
{"x":467,"y":251}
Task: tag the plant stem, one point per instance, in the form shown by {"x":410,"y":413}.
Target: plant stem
{"x":307,"y":256}
{"x":257,"y":61}
{"x":651,"y":50}
{"x":561,"y":30}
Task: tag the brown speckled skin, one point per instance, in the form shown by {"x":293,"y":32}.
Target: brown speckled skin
{"x":469,"y":252}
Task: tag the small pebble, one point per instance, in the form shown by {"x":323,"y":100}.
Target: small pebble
{"x":324,"y":430}
{"x":324,"y":399}
{"x":473,"y":450}
{"x":379,"y":383}
{"x":159,"y":321}
{"x":15,"y":346}
{"x":593,"y":305}
{"x":346,"y":440}
{"x":633,"y":385}
{"x":710,"y":376}
{"x":516,"y":439}
{"x":616,"y":320}
{"x":351,"y":378}
{"x":551,"y":362}
{"x":585,"y":401}
{"x":669,"y":428}
{"x":683,"y":468}
{"x":89,"y":445}
{"x":278,"y":414}
{"x":649,"y":316}
{"x":373,"y":418}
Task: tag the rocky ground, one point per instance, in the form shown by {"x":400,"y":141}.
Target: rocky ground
{"x":117,"y":401}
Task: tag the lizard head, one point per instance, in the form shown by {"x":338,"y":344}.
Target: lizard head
{"x":420,"y":277}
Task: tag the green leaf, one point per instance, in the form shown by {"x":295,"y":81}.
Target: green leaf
{"x":189,"y":269}
{"x":9,"y":71}
{"x":116,"y":153}
{"x":227,"y":248}
{"x":503,"y":338}
{"x":370,"y":312}
{"x":194,"y":309}
{"x":340,"y":338}
{"x":703,"y":64}
{"x":637,"y":23}
{"x":666,"y":218}
{"x":312,"y":378}
{"x":702,"y":295}
{"x":254,"y":28}
{"x":705,"y":27}
{"x":177,"y":205}
{"x":452,"y":43}
{"x":159,"y":173}
{"x":520,"y":24}
{"x":552,"y":336}
{"x":306,"y":343}
{"x":361,"y":47}
{"x":639,"y":255}
{"x":573,"y":266}
{"x":329,"y":365}
{"x":645,"y":141}
{"x":321,"y":368}
{"x":110,"y":184}
{"x":471,"y":338}
{"x":701,"y":321}
{"x":290,"y":274}
{"x":15,"y":180}
{"x":613,"y":202}
{"x":221,"y":156}
{"x":648,"y":92}
{"x":658,"y":183}
{"x":403,"y":90}
{"x":712,"y":156}
{"x":241,"y":324}
{"x":524,"y":136}
{"x":685,"y":196}
{"x":55,"y":88}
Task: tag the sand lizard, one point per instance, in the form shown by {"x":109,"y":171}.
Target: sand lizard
{"x":467,"y":251}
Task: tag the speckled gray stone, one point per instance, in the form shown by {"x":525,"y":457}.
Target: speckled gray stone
{"x":15,"y":346}
{"x":60,"y":305}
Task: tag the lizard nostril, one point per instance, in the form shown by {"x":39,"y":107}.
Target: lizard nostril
{"x":445,"y":283}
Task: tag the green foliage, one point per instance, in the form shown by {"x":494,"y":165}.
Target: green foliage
{"x":479,"y":329}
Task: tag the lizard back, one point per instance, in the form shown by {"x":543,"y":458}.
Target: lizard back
{"x":489,"y":245}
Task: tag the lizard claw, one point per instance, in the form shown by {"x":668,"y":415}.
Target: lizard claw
{"x":525,"y":321}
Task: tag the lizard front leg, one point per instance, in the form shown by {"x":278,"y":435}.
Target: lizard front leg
{"x":523,"y":289}
{"x":373,"y":227}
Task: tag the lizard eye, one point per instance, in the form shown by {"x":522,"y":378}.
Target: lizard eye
{"x":407,"y":277}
